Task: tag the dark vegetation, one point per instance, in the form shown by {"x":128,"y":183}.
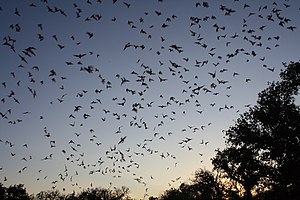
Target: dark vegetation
{"x":261,"y":159}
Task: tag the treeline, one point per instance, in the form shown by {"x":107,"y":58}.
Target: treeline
{"x":261,"y":160}
{"x":18,"y":192}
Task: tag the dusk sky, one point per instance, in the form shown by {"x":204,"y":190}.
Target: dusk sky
{"x":114,"y":93}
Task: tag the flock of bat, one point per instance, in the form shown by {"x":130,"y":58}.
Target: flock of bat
{"x":134,"y":99}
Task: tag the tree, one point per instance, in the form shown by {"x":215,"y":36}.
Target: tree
{"x":263,"y":147}
{"x":71,"y":196}
{"x":120,"y":193}
{"x":2,"y":191}
{"x":13,"y":192}
{"x":204,"y":186}
{"x":18,"y":192}
{"x":47,"y":195}
{"x":105,"y":194}
{"x":173,"y":194}
{"x":242,"y":165}
{"x":152,"y":198}
{"x":93,"y":194}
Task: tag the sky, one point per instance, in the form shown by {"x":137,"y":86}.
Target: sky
{"x":131,"y":93}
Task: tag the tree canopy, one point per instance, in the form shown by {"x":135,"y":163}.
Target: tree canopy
{"x":18,"y":192}
{"x":204,"y":185}
{"x":262,"y":149}
{"x":13,"y":192}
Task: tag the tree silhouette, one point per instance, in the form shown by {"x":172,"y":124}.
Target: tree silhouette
{"x":105,"y":194}
{"x":242,"y":165}
{"x":53,"y":195}
{"x":18,"y":192}
{"x":175,"y":194}
{"x":13,"y":192}
{"x":263,"y":147}
{"x":2,"y":191}
{"x":152,"y":198}
{"x":71,"y":196}
{"x":204,"y":186}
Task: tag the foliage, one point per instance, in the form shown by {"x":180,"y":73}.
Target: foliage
{"x":13,"y":192}
{"x":204,"y":186}
{"x":263,"y":147}
{"x":105,"y":194}
{"x":53,"y":195}
{"x":18,"y":192}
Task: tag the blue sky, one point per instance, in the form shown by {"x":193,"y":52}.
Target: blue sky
{"x":159,"y":80}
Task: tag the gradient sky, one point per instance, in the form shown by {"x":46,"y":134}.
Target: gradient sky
{"x":154,"y":54}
